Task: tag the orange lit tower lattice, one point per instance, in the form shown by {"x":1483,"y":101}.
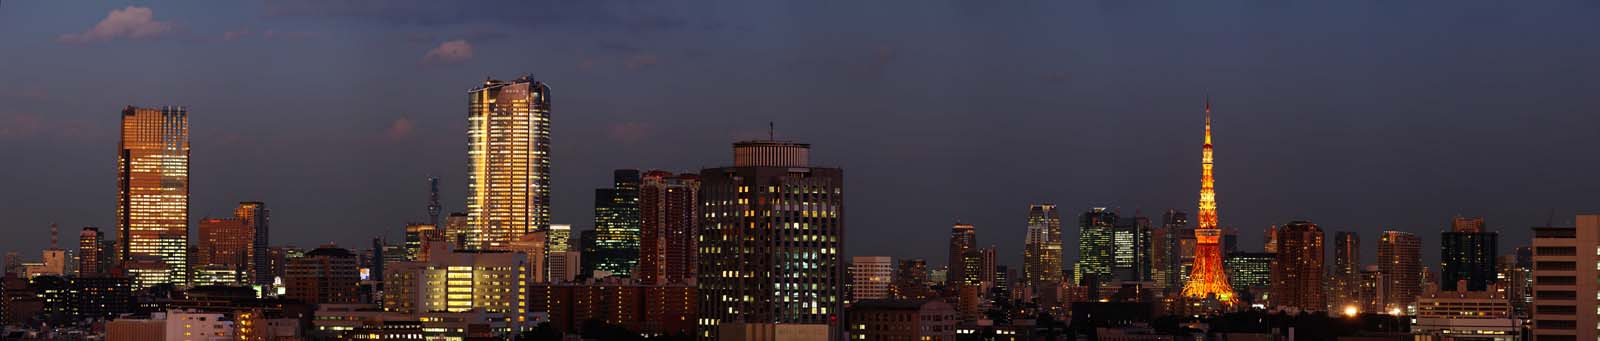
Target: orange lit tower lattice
{"x":1207,"y":279}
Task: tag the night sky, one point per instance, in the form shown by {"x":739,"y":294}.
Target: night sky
{"x":1357,"y":115}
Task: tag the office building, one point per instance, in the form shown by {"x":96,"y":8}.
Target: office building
{"x":420,"y":237}
{"x":1169,"y":250}
{"x":1130,"y":257}
{"x":508,"y":161}
{"x":1468,"y":253}
{"x":153,"y":190}
{"x":669,"y":212}
{"x":963,"y":238}
{"x":325,"y":275}
{"x":871,"y":277}
{"x":1564,"y":286}
{"x":1041,"y":249}
{"x":911,"y":279}
{"x":92,"y":256}
{"x":1297,"y":274}
{"x":224,"y":243}
{"x":1095,"y":247}
{"x":1516,"y":272}
{"x":256,"y":216}
{"x":1400,"y":260}
{"x":1250,"y":273}
{"x":903,"y":320}
{"x":616,"y":224}
{"x":1466,"y":315}
{"x":1345,"y":277}
{"x":459,"y":281}
{"x":770,"y":240}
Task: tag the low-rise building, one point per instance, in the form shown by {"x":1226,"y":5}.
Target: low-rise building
{"x":902,"y":320}
{"x":646,"y":309}
{"x":1466,"y":315}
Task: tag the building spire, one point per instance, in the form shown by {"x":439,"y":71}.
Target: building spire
{"x":1208,"y":120}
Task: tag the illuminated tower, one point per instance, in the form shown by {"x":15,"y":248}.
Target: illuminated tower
{"x":153,"y":192}
{"x":508,"y":162}
{"x":1207,"y":278}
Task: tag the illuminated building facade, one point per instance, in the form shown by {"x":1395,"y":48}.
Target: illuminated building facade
{"x":1297,"y":274}
{"x":1345,"y":278}
{"x":1400,"y":260}
{"x":224,"y":243}
{"x":493,"y":281}
{"x":92,"y":255}
{"x":1041,"y":249}
{"x":1169,"y":249}
{"x":508,"y":161}
{"x":1564,"y":286}
{"x":1250,"y":273}
{"x":1096,"y":247}
{"x":616,"y":224}
{"x":669,"y":212}
{"x":420,"y":236}
{"x":963,"y":238}
{"x":1207,"y":278}
{"x":871,"y":277}
{"x":1466,"y":315}
{"x":257,"y":218}
{"x":1468,"y":253}
{"x":1130,"y":258}
{"x":770,"y":239}
{"x":153,"y":189}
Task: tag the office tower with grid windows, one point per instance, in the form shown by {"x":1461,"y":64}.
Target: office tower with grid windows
{"x":153,"y":192}
{"x":508,"y":162}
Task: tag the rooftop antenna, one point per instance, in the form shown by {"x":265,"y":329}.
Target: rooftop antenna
{"x":53,"y":236}
{"x":772,"y":135}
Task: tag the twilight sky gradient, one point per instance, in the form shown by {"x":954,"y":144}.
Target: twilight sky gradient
{"x":1358,"y":115}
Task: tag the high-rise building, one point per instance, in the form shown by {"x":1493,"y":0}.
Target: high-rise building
{"x":257,"y":217}
{"x":616,"y":224}
{"x":590,"y":252}
{"x":1207,"y":279}
{"x":1130,"y":259}
{"x":1096,"y":248}
{"x":1345,"y":277}
{"x":871,"y":277}
{"x":508,"y":161}
{"x":1516,"y":271}
{"x":91,"y":253}
{"x":1041,"y":249}
{"x":669,"y":212}
{"x":1372,"y":294}
{"x":1250,"y":273}
{"x":771,"y":234}
{"x":418,"y":238}
{"x":1467,"y":254}
{"x":153,"y":189}
{"x":325,"y":275}
{"x":963,"y":238}
{"x":1297,"y":274}
{"x":1270,"y":239}
{"x":562,"y":261}
{"x":1564,"y":288}
{"x":224,"y":243}
{"x":1400,"y":260}
{"x":1168,"y":249}
{"x":433,"y":201}
{"x":911,"y":279}
{"x":456,"y":230}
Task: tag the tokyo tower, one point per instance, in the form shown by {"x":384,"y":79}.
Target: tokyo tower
{"x":1208,"y":279}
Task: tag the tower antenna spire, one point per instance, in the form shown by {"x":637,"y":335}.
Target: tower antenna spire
{"x":772,"y":134}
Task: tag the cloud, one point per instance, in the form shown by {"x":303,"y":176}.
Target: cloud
{"x":450,"y":52}
{"x":235,"y":35}
{"x":128,"y":23}
{"x":630,"y":132}
{"x":400,"y":129}
{"x":640,"y":61}
{"x":13,"y":125}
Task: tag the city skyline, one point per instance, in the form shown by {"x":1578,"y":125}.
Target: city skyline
{"x":239,"y":154}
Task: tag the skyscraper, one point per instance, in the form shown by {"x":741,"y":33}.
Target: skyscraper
{"x":433,"y":201}
{"x":153,"y":190}
{"x":1130,"y":260}
{"x":224,"y":243}
{"x":256,"y":216}
{"x":1096,"y":248}
{"x":911,"y":279}
{"x":669,"y":212}
{"x":771,"y":233}
{"x":616,"y":224}
{"x":1041,"y":250}
{"x":871,"y":277}
{"x":1250,"y":273}
{"x":562,"y":262}
{"x":1400,"y":260}
{"x":1207,"y":278}
{"x":1169,"y":251}
{"x":1564,"y":269}
{"x":963,"y":238}
{"x":91,"y":253}
{"x":1297,"y":275}
{"x":508,"y":161}
{"x":1468,"y":253}
{"x":1346,"y":274}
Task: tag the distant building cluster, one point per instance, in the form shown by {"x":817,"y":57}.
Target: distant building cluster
{"x":754,"y":250}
